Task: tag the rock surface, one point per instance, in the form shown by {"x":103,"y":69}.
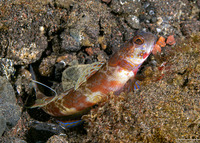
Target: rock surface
{"x":60,"y":35}
{"x":9,"y":111}
{"x":2,"y":124}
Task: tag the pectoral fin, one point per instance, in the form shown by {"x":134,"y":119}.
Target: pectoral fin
{"x":137,"y":85}
{"x":88,"y":72}
{"x":130,"y":85}
{"x":70,"y":124}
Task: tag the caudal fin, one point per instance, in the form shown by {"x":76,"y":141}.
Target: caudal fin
{"x":41,"y":98}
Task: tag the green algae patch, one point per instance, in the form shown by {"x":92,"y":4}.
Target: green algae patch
{"x":164,"y":110}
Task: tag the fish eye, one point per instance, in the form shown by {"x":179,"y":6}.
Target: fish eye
{"x":138,"y":40}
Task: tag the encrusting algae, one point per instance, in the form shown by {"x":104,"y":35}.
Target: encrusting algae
{"x":167,"y":110}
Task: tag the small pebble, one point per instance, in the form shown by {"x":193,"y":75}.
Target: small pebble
{"x":159,"y":20}
{"x":156,"y":49}
{"x":171,"y":40}
{"x":102,"y":42}
{"x":161,"y":42}
{"x":197,"y":68}
{"x":42,"y":29}
{"x":133,"y":21}
{"x":158,"y":30}
{"x":46,"y":66}
{"x":89,"y":51}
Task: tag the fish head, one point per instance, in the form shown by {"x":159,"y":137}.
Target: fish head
{"x":140,"y":47}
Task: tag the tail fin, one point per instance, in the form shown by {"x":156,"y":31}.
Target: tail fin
{"x":41,"y":98}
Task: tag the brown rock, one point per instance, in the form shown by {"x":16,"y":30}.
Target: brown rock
{"x":189,"y":27}
{"x":156,"y":49}
{"x":171,"y":40}
{"x":89,"y":51}
{"x":46,"y":66}
{"x":161,"y":42}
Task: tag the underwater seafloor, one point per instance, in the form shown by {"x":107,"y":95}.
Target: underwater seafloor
{"x":55,"y":35}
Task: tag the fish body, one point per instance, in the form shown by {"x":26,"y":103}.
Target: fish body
{"x":99,"y":80}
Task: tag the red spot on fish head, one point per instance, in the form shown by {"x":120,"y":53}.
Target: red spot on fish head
{"x":145,"y":55}
{"x":135,"y":71}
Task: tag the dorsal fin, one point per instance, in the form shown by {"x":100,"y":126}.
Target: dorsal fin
{"x":88,"y":72}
